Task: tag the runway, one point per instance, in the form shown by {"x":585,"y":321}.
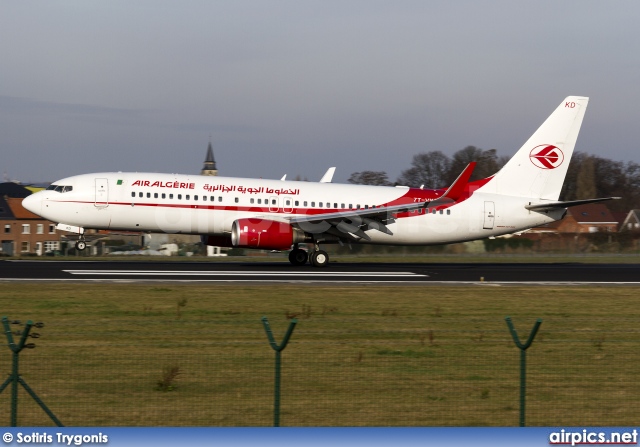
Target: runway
{"x":336,"y":273}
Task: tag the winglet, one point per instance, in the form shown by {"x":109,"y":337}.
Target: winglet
{"x":328,"y":176}
{"x":457,"y":187}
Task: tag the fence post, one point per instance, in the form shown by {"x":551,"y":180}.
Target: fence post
{"x":278,"y":349}
{"x":523,"y":362}
{"x":14,"y":377}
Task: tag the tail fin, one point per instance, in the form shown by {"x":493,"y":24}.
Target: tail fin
{"x":538,"y":169}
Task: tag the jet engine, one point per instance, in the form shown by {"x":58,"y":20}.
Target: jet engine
{"x":265,"y":234}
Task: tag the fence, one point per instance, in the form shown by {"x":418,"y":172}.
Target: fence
{"x":219,"y":372}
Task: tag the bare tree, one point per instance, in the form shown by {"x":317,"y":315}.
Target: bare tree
{"x":378,"y":178}
{"x":429,"y":169}
{"x":488,"y":163}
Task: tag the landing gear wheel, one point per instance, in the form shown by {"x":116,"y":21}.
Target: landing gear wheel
{"x":319,"y":258}
{"x":81,"y":245}
{"x":298,"y":256}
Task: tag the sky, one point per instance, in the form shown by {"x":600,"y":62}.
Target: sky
{"x":294,"y":87}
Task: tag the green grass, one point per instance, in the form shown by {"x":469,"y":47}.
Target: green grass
{"x":359,"y":356}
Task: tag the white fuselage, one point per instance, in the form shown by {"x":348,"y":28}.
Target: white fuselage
{"x":173,"y":203}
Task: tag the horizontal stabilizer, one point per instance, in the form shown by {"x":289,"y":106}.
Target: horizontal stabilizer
{"x":558,"y":205}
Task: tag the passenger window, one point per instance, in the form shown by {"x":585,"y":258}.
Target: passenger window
{"x":236,"y":200}
{"x":319,"y":204}
{"x":448,"y":212}
{"x":204,"y":198}
{"x":335,"y":205}
{"x":342,"y":205}
{"x":140,"y":194}
{"x":259,"y":201}
{"x":288,"y":202}
{"x":313,"y":204}
{"x":305,"y":203}
{"x":195,"y":198}
{"x":220,"y":199}
{"x":297,"y":203}
{"x":148,"y":195}
{"x":164,"y":196}
{"x":155,"y":195}
{"x":273,"y":201}
{"x":187,"y":197}
{"x":133,"y":194}
{"x":179,"y":196}
{"x":441,"y":211}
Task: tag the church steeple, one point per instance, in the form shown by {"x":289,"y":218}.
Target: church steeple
{"x":209,"y":167}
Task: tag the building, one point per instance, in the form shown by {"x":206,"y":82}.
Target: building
{"x":631,"y":222}
{"x":24,"y":233}
{"x":589,"y":218}
{"x":209,"y":167}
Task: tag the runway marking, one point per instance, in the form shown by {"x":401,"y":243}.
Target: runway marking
{"x":293,"y":273}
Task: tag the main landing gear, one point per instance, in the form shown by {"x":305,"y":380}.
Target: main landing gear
{"x":317,"y":258}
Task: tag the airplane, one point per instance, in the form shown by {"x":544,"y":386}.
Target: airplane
{"x":281,"y":214}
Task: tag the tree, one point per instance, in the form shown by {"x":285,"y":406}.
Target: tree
{"x":586,"y":180}
{"x":378,"y":178}
{"x":429,"y":169}
{"x":487,"y":161}
{"x":610,"y":179}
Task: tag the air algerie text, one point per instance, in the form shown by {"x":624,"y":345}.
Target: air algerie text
{"x":174,"y":185}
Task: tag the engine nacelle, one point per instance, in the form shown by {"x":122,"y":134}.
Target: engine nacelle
{"x":216,"y":241}
{"x":265,"y":234}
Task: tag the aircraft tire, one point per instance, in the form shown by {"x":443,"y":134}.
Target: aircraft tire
{"x":298,"y":256}
{"x":81,"y":245}
{"x":319,"y":258}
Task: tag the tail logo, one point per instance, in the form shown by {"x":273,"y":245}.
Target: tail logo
{"x":546,"y":156}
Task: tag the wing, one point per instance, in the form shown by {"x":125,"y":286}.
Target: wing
{"x":351,"y":225}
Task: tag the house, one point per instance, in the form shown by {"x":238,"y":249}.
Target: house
{"x":589,"y":218}
{"x":631,"y":222}
{"x":24,"y":233}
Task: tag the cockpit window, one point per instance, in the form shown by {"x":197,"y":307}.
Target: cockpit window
{"x":60,"y":188}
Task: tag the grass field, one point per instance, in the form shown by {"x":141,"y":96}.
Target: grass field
{"x":359,"y":356}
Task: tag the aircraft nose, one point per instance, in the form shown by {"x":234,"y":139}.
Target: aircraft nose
{"x":33,"y":203}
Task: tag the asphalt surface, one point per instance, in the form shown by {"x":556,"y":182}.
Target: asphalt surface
{"x":283,"y":272}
